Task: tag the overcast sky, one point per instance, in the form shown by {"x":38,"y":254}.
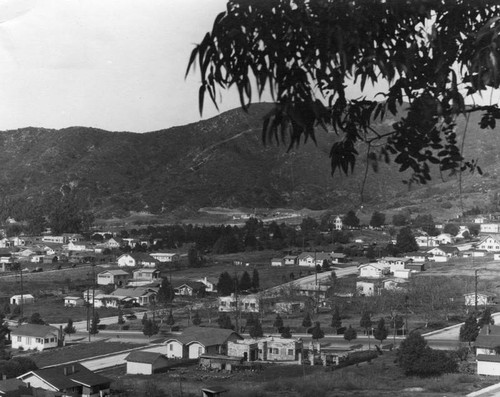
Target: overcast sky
{"x":112,"y":64}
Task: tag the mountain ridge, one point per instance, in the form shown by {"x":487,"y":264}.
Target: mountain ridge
{"x":219,"y":162}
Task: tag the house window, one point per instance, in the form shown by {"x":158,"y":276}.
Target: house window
{"x":19,"y":338}
{"x":52,"y":340}
{"x":290,"y":352}
{"x":276,"y":351}
{"x":171,"y":347}
{"x":28,"y":341}
{"x":270,"y":350}
{"x":46,"y":340}
{"x":39,"y":340}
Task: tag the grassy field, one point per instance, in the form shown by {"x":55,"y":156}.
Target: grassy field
{"x":381,"y":377}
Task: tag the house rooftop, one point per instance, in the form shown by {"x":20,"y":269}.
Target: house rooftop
{"x":34,"y":330}
{"x":144,"y":357}
{"x":68,"y":376}
{"x":205,"y":335}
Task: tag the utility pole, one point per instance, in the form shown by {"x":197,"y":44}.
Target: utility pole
{"x":22,"y":291}
{"x":475,"y":290}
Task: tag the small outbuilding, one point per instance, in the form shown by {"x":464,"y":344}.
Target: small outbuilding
{"x":145,"y":363}
{"x":25,"y":298}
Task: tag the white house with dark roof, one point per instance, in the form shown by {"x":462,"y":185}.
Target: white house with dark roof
{"x":68,"y":380}
{"x":210,"y":283}
{"x":116,"y":277}
{"x":374,"y":270}
{"x":489,"y":243}
{"x":166,"y":257}
{"x":313,"y":259}
{"x":25,"y":298}
{"x":35,"y":337}
{"x":139,"y":295}
{"x":135,"y":259}
{"x":394,"y":263}
{"x":145,"y":363}
{"x":195,"y":341}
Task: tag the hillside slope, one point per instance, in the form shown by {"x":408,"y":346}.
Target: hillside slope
{"x":218,"y":162}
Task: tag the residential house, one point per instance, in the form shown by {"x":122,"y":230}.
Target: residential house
{"x":73,"y":301}
{"x":290,"y":260}
{"x":139,"y":295}
{"x":35,"y":337}
{"x":115,"y":243}
{"x":117,"y":277}
{"x":337,"y":223}
{"x":288,"y":306}
{"x":136,"y":259}
{"x":395,"y":284}
{"x":373,"y":270}
{"x":276,"y":262}
{"x":483,"y":299}
{"x":144,"y":276}
{"x":338,"y":257}
{"x":245,"y":303}
{"x":266,"y":349}
{"x":317,"y":292}
{"x":394,"y":263}
{"x":108,"y":301}
{"x":489,"y":228}
{"x":445,"y":239}
{"x":368,"y":287}
{"x":486,"y":344}
{"x":88,"y":295}
{"x":16,"y":388}
{"x":78,"y":246}
{"x":190,"y":288}
{"x":490,"y":244}
{"x":418,"y":256}
{"x":166,"y":257}
{"x":416,"y":267}
{"x":24,"y":298}
{"x":426,"y":241}
{"x":210,"y":284}
{"x":442,"y":253}
{"x":313,"y":259}
{"x":54,"y":239}
{"x":145,"y":363}
{"x":68,"y":380}
{"x":402,"y":273}
{"x":195,"y":341}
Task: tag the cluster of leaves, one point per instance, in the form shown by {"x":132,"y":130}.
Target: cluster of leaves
{"x":227,"y":285}
{"x":416,"y":358}
{"x":431,"y":54}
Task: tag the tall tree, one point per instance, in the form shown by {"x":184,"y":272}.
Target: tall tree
{"x":350,"y":334}
{"x":166,"y":292}
{"x":196,"y":319}
{"x":69,"y":329}
{"x":405,"y":240}
{"x":286,"y":332}
{"x":486,"y":318}
{"x":350,"y":219}
{"x":94,"y":324}
{"x":377,"y":219}
{"x":306,"y":321}
{"x":336,"y":319}
{"x":225,"y":285}
{"x":380,"y":333}
{"x":255,"y":280}
{"x":245,"y":282}
{"x":410,"y":47}
{"x":150,"y":328}
{"x":278,"y":323}
{"x":469,"y":330}
{"x":224,"y":321}
{"x":256,"y":330}
{"x":316,"y":332}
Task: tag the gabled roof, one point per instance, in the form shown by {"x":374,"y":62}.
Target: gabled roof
{"x":380,"y":266}
{"x":131,"y":292}
{"x":76,"y":375}
{"x":116,"y":272}
{"x":34,"y":330}
{"x":205,"y":336}
{"x":315,"y":255}
{"x":195,"y":285}
{"x":146,"y":270}
{"x":139,"y":356}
